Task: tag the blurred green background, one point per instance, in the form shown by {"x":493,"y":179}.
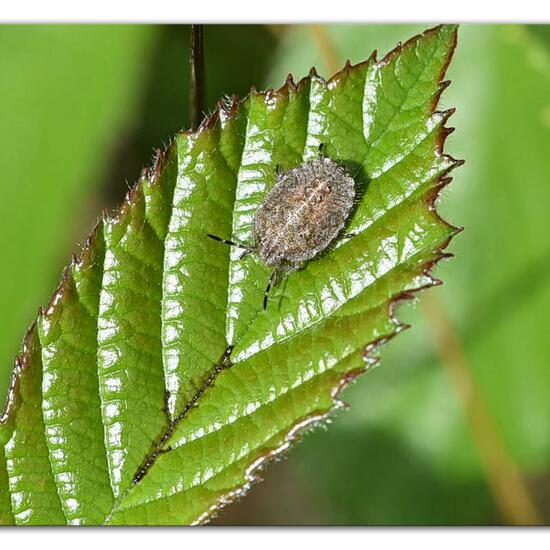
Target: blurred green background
{"x":454,"y":426}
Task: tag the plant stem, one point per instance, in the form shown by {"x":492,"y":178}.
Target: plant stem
{"x":510,"y":492}
{"x":198,"y":86}
{"x":326,"y":47}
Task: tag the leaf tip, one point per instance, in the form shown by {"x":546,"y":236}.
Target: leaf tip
{"x":444,"y":84}
{"x":459,"y":162}
{"x":447,"y":131}
{"x":227,"y":107}
{"x":289,"y":82}
{"x":158,"y":162}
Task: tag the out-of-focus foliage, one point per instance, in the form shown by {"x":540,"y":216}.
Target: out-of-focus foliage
{"x":403,"y":454}
{"x":165,"y":89}
{"x":66,"y":94}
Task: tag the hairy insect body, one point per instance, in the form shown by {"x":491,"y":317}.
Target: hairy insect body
{"x":303,"y":213}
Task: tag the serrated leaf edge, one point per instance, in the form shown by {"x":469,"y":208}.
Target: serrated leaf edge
{"x":227,"y":110}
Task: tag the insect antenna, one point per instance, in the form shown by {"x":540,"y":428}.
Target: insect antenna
{"x":270,"y":283}
{"x":230,"y":243}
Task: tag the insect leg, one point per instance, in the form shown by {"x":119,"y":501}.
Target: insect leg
{"x":270,"y":283}
{"x":322,"y":150}
{"x":231,"y":243}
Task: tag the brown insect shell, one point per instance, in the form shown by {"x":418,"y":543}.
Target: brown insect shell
{"x":304,"y":211}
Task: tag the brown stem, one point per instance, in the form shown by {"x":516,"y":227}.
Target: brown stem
{"x":329,"y":55}
{"x":510,"y":492}
{"x":198,"y":86}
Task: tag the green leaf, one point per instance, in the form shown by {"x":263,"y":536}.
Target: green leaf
{"x":153,"y":387}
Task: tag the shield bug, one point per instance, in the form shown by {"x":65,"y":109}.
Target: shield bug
{"x":302,"y":214}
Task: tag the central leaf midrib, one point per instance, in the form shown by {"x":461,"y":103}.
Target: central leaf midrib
{"x":165,"y":435}
{"x":255,"y":449}
{"x":278,"y":397}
